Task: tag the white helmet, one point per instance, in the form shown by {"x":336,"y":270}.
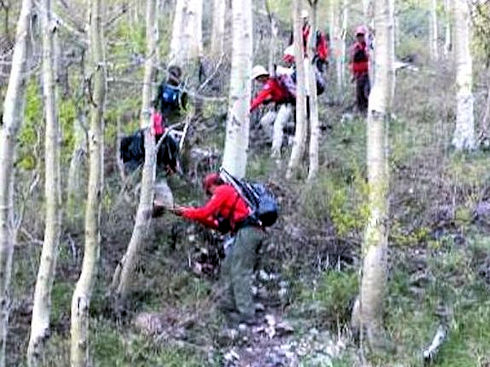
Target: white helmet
{"x":259,"y":70}
{"x":304,"y":13}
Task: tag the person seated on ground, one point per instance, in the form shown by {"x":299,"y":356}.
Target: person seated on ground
{"x":227,"y":211}
{"x":359,"y":65}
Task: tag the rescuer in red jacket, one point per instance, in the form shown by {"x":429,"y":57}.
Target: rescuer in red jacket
{"x":272,"y":91}
{"x":359,"y":65}
{"x":228,"y":212}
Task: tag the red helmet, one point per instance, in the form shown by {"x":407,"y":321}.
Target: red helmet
{"x":210,"y":180}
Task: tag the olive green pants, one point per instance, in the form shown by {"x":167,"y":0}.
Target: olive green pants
{"x":237,"y":270}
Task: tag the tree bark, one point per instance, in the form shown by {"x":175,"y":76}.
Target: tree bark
{"x":485,"y":124}
{"x":375,"y":246}
{"x":186,"y":42}
{"x":434,"y":51}
{"x":122,"y":276}
{"x":464,"y":134}
{"x":447,"y":36}
{"x":13,"y":112}
{"x":238,"y":121}
{"x":80,"y":305}
{"x":313,"y":100}
{"x":218,"y":30}
{"x":300,"y":134}
{"x":45,"y":277}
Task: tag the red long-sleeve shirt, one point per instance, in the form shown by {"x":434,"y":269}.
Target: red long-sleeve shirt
{"x":361,"y":66}
{"x":271,"y":92}
{"x":225,"y":202}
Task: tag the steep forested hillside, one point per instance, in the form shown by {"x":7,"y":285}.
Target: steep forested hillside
{"x":375,"y":151}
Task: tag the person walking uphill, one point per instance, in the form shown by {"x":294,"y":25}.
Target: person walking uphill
{"x":227,"y":211}
{"x":359,"y":64}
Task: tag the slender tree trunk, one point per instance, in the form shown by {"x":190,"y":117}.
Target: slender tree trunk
{"x":218,"y":30}
{"x":193,"y":30}
{"x":434,"y":51}
{"x":447,"y":35}
{"x":300,"y":134}
{"x":83,"y":291}
{"x":343,"y":46}
{"x":375,"y":246}
{"x":45,"y":277}
{"x":13,"y":112}
{"x":186,"y":43}
{"x":177,"y":48}
{"x":313,"y":100}
{"x":464,"y":135}
{"x":273,"y":37}
{"x":485,"y":123}
{"x":143,"y":217}
{"x":237,"y":125}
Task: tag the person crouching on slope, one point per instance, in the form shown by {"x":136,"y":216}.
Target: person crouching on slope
{"x":226,"y":211}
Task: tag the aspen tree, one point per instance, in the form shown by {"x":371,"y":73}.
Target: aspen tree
{"x":434,"y":51}
{"x":464,"y":134}
{"x":45,"y":277}
{"x":13,"y":114}
{"x":80,"y":305}
{"x":218,"y":30}
{"x":313,"y":100}
{"x":238,"y":121}
{"x":122,"y":277}
{"x":300,"y":134}
{"x":375,"y":245}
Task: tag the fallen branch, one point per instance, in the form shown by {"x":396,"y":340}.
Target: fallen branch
{"x":431,"y":352}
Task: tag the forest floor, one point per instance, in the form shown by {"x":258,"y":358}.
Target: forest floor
{"x":308,"y":274}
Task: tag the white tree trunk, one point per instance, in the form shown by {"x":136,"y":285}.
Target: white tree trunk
{"x":447,"y":34}
{"x":126,"y":266}
{"x":343,"y":34}
{"x":485,"y":123}
{"x":218,"y":30}
{"x":464,"y":135}
{"x":13,"y":115}
{"x":273,"y":37}
{"x":186,"y":42}
{"x":238,"y":121}
{"x":282,"y":117}
{"x":45,"y":277}
{"x":177,"y":48}
{"x":313,"y":100}
{"x":375,"y":246}
{"x":300,"y":134}
{"x":193,"y":30}
{"x":434,"y":51}
{"x":79,"y":352}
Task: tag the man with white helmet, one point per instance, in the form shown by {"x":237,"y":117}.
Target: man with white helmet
{"x":278,"y":89}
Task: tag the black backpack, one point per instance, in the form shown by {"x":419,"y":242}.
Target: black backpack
{"x":263,"y":203}
{"x":133,"y":151}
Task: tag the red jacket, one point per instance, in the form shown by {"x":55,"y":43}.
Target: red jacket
{"x":226,"y":202}
{"x":272,"y":91}
{"x":321,"y":46}
{"x":359,"y":59}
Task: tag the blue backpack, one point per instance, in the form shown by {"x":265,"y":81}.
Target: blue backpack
{"x":169,"y":99}
{"x":263,"y":203}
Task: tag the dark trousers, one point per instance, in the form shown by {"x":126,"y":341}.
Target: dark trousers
{"x":363,"y":87}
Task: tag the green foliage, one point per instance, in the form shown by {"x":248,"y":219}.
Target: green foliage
{"x":330,"y":297}
{"x":31,"y":128}
{"x":67,"y":114}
